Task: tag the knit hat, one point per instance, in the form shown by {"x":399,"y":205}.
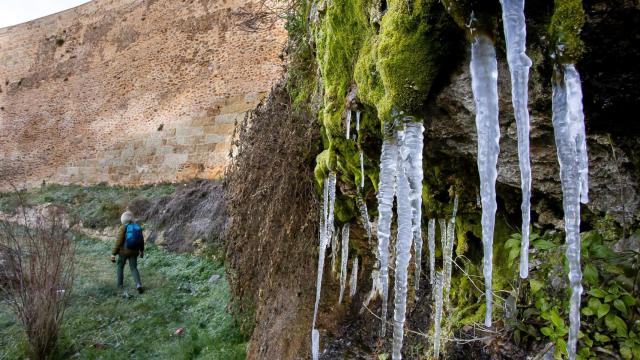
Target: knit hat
{"x":126,"y":217}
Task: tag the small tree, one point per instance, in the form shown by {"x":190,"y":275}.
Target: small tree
{"x":36,"y":272}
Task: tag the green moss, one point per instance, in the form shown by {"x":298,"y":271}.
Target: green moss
{"x":565,"y":27}
{"x":366,"y":75}
{"x":338,"y":38}
{"x":409,"y":55}
{"x":325,"y":162}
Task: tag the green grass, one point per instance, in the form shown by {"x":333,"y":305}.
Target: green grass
{"x":101,"y":323}
{"x":96,"y":206}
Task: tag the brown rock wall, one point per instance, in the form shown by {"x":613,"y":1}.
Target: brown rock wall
{"x":129,"y":91}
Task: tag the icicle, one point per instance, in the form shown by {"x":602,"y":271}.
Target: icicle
{"x":568,"y":125}
{"x":443,"y":234}
{"x":332,"y":202}
{"x":437,"y":294}
{"x":348,"y":124}
{"x":326,"y":230}
{"x":353,"y":285}
{"x":431,"y":235}
{"x":343,"y":260}
{"x":403,"y":251}
{"x":448,"y":252}
{"x":334,"y":251}
{"x":315,"y":344}
{"x":388,"y":166}
{"x":519,"y":63}
{"x":364,"y":214}
{"x":412,"y":149}
{"x":361,"y":170}
{"x":484,"y":80}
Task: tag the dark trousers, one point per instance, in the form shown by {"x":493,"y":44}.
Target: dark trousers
{"x":133,"y":266}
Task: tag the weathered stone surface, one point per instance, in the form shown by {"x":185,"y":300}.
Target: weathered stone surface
{"x":127,"y":91}
{"x":450,"y":132}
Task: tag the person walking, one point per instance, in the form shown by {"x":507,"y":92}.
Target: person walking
{"x":129,"y":245}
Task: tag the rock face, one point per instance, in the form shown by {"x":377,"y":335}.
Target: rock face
{"x":347,"y":330}
{"x":451,"y":132}
{"x":130,"y":92}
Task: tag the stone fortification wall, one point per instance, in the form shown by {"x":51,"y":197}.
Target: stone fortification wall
{"x":129,"y":91}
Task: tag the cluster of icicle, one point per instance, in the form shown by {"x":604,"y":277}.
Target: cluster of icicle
{"x":400,"y":177}
{"x":568,"y":126}
{"x":326,"y":232}
{"x":442,"y":286}
{"x":568,"y":122}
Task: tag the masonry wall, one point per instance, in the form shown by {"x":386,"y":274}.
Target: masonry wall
{"x":129,"y":91}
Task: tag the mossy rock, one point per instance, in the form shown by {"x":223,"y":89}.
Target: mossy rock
{"x":565,"y":27}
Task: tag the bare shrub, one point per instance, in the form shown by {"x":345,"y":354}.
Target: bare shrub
{"x":36,"y":273}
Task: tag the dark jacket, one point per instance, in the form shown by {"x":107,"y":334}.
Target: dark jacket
{"x":119,"y":248}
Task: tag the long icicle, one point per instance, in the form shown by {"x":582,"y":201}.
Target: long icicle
{"x":413,"y":144}
{"x":568,"y":125}
{"x":437,"y":323}
{"x":343,"y":260}
{"x":353,"y":283}
{"x":334,"y":251}
{"x":361,"y":170}
{"x":403,"y":248}
{"x":448,"y":263}
{"x":519,"y":63}
{"x":388,"y":167}
{"x":348,"y":125}
{"x":326,"y":229}
{"x":484,"y":81}
{"x":364,"y":214}
{"x":431,"y":235}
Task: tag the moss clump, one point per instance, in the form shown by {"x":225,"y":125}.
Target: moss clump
{"x":338,"y":37}
{"x":366,"y":75}
{"x":565,"y":27}
{"x":325,"y":161}
{"x":409,"y":54}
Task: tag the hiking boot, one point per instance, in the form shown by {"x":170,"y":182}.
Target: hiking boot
{"x":140,"y":289}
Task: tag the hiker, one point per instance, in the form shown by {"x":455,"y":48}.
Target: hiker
{"x":129,"y":245}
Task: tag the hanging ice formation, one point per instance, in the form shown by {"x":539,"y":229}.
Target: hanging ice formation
{"x":364,"y":214}
{"x":361,"y":170}
{"x":388,"y":168}
{"x":519,"y":63}
{"x":448,"y":251}
{"x":343,"y":260}
{"x":403,"y":248}
{"x":400,"y":170}
{"x":412,"y":149}
{"x":484,"y":83}
{"x":353,"y":284}
{"x":431,"y":235}
{"x":437,"y":295}
{"x":334,"y":251}
{"x":348,"y":125}
{"x":326,"y":230}
{"x":568,"y":125}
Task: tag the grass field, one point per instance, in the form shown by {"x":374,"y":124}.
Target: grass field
{"x":104,"y":323}
{"x":97,"y":206}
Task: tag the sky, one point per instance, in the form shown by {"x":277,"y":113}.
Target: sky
{"x":18,"y":11}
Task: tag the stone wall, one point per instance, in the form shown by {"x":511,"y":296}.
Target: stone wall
{"x":129,"y":91}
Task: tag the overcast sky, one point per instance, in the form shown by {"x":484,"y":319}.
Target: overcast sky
{"x":18,"y":11}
